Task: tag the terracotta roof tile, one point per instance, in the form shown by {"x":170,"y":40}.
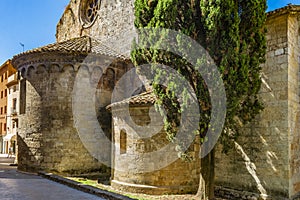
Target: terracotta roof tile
{"x":80,"y":45}
{"x":145,"y":98}
{"x":283,"y":10}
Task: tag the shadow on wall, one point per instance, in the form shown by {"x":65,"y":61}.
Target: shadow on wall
{"x":26,"y":158}
{"x":251,"y":168}
{"x":259,"y":161}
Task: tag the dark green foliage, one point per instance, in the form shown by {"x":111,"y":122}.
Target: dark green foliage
{"x":232,"y":32}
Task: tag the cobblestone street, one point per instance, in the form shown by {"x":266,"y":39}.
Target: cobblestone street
{"x":19,"y":186}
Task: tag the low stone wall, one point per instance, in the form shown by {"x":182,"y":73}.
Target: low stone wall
{"x":231,"y":194}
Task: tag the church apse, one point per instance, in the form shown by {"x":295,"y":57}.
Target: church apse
{"x":49,"y":130}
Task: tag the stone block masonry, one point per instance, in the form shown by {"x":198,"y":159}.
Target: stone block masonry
{"x":267,"y":161}
{"x":113,"y":24}
{"x":141,"y":161}
{"x":48,"y":138}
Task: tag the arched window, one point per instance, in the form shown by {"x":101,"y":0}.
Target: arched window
{"x":123,"y":142}
{"x":30,"y":71}
{"x":109,"y":79}
{"x":96,"y":75}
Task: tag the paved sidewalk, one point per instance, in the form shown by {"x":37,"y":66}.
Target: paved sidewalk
{"x":19,"y":186}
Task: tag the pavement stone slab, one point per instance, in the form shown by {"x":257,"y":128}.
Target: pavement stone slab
{"x":15,"y":185}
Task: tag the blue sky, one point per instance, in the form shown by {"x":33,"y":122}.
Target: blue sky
{"x":273,"y":4}
{"x":33,"y":23}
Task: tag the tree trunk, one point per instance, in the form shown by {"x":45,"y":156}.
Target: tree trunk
{"x":207,"y":177}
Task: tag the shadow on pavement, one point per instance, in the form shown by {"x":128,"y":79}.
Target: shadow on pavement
{"x":9,"y":171}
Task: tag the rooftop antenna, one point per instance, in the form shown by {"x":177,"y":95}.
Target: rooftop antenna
{"x":22,"y":45}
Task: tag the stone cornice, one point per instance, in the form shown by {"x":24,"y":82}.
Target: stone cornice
{"x":289,"y":9}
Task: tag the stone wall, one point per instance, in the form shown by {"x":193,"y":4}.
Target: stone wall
{"x":48,"y":139}
{"x":114,"y":25}
{"x":265,"y":159}
{"x":51,"y":136}
{"x":144,"y":163}
{"x":294,"y":112}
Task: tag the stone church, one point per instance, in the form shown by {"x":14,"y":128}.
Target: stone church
{"x":66,"y":124}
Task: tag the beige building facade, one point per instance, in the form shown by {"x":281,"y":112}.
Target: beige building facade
{"x":8,"y":140}
{"x":13,"y":105}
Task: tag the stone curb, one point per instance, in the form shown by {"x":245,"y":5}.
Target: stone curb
{"x":84,"y":188}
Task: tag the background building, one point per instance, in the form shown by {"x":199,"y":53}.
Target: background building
{"x":12,"y":109}
{"x":6,"y":70}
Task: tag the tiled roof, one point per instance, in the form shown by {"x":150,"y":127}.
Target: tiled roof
{"x":284,"y":10}
{"x":82,"y":45}
{"x":146,"y":98}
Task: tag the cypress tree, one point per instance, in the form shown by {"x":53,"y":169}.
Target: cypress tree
{"x":233,"y":33}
